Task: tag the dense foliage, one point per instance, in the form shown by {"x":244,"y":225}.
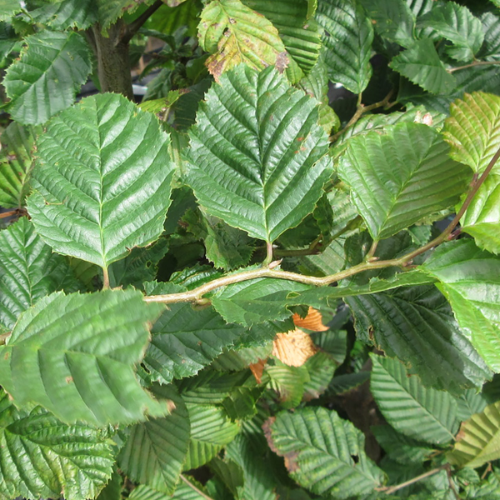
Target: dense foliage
{"x":239,"y":288}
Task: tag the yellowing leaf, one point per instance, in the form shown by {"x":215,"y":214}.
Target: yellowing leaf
{"x":293,"y":348}
{"x":236,"y":34}
{"x":313,"y":321}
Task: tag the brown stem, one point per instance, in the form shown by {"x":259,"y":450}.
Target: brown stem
{"x":136,"y":24}
{"x":392,"y":489}
{"x":360,"y":111}
{"x":10,"y":213}
{"x":471,"y":65}
{"x":192,"y":486}
{"x":270,"y":271}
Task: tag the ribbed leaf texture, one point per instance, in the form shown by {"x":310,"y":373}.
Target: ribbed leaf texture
{"x":478,"y":441}
{"x":323,"y":453}
{"x":234,"y":34}
{"x":401,"y":177}
{"x":417,"y":411}
{"x":416,"y":325}
{"x":66,"y":14}
{"x":302,"y":37}
{"x":102,"y":180}
{"x":348,"y":42}
{"x":109,"y":11}
{"x":52,"y":68}
{"x":42,"y":457}
{"x":253,"y":152}
{"x":211,"y":429}
{"x":392,"y":20}
{"x":470,"y":280}
{"x":421,"y":64}
{"x":182,"y":492}
{"x":75,"y":355}
{"x":473,"y":130}
{"x":184,"y":339}
{"x":15,"y":164}
{"x":155,"y":450}
{"x":29,"y":270}
{"x":456,"y":24}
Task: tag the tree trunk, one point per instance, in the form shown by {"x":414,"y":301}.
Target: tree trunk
{"x":112,"y":52}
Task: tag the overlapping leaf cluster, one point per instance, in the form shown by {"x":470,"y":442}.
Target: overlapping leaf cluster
{"x":168,"y":328}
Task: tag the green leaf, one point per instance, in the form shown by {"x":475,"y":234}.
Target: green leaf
{"x":139,"y":266}
{"x":416,"y":325}
{"x":491,"y":45}
{"x":470,"y":280}
{"x":319,"y":449}
{"x":259,"y":481}
{"x":155,"y":450}
{"x":66,"y":14}
{"x":392,"y":19}
{"x":42,"y":457}
{"x":334,"y":342}
{"x":227,"y":247}
{"x":75,"y":355}
{"x":456,"y":24}
{"x":16,"y":160}
{"x":473,"y":130}
{"x":8,"y":8}
{"x":94,"y":199}
{"x":302,"y":37}
{"x":113,"y":489}
{"x":421,"y":64}
{"x":401,"y":177}
{"x":52,"y":68}
{"x":169,"y":19}
{"x":344,"y":383}
{"x":29,"y":270}
{"x":230,"y":473}
{"x":184,"y":339}
{"x":235,"y":34}
{"x":320,"y":367}
{"x":210,"y":431}
{"x":288,"y":382}
{"x":348,"y":43}
{"x":236,"y":172}
{"x":479,"y":439}
{"x":400,"y":448}
{"x":182,"y":492}
{"x":471,"y":402}
{"x":108,"y":11}
{"x":417,"y":411}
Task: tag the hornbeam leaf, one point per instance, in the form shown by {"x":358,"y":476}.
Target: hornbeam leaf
{"x":8,"y":8}
{"x":473,"y":130}
{"x":108,"y":11}
{"x":16,"y":160}
{"x":421,"y":64}
{"x":102,"y":180}
{"x":182,"y":492}
{"x":75,"y":355}
{"x":456,"y":24}
{"x":348,"y":43}
{"x":417,"y":411}
{"x":490,"y":50}
{"x":470,"y":280}
{"x":184,"y":340}
{"x":66,"y":14}
{"x":302,"y":37}
{"x":211,"y":429}
{"x":29,"y":270}
{"x":233,"y":33}
{"x":52,"y":68}
{"x":257,"y":153}
{"x":401,"y":177}
{"x":478,"y":441}
{"x":320,"y":449}
{"x":416,"y":324}
{"x":42,"y":457}
{"x":155,"y":450}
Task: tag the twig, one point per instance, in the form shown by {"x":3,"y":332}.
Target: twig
{"x":136,"y":24}
{"x":270,"y":271}
{"x":360,"y":111}
{"x":18,"y":211}
{"x":269,"y":254}
{"x":471,"y":65}
{"x":450,"y":481}
{"x":105,"y":278}
{"x":392,"y":489}
{"x":371,"y":253}
{"x":192,"y":486}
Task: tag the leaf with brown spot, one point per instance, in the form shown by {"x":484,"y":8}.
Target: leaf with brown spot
{"x":236,"y":34}
{"x":257,"y":369}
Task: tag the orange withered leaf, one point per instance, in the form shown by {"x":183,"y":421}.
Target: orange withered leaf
{"x":258,"y":369}
{"x":293,"y":348}
{"x":313,"y":321}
